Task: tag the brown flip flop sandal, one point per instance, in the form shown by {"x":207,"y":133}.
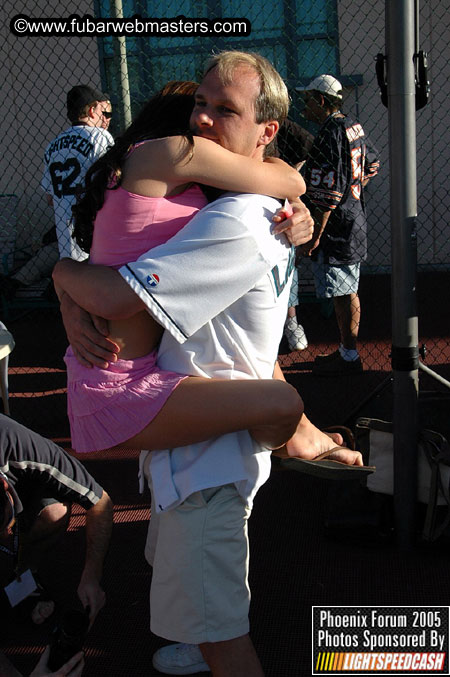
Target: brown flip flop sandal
{"x":349,"y":438}
{"x":324,"y":467}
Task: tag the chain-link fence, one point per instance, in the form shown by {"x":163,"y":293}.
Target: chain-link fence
{"x":49,"y":49}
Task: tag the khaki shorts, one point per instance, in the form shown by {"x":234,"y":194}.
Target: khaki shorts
{"x":199,"y":553}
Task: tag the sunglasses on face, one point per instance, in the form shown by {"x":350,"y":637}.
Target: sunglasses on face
{"x":107,"y":114}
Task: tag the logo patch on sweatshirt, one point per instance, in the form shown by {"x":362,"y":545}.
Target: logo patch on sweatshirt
{"x":153,"y":280}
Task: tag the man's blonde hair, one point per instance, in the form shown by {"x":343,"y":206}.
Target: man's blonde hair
{"x":272,"y":103}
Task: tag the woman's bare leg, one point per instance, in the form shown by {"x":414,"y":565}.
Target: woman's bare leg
{"x":199,"y":409}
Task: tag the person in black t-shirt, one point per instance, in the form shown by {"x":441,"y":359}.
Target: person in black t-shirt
{"x":338,"y":167}
{"x":39,"y":482}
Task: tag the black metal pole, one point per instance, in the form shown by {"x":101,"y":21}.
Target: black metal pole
{"x":400,"y":41}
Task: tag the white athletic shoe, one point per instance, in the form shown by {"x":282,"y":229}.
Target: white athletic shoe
{"x":295,"y":334}
{"x":179,"y":659}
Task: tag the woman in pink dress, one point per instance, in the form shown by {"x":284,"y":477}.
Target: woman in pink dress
{"x":137,"y":196}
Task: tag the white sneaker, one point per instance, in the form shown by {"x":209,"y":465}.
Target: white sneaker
{"x":179,"y":659}
{"x":295,"y":334}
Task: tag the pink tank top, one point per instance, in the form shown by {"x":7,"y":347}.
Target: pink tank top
{"x":128,"y":225}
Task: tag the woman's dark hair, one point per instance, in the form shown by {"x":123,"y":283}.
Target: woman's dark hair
{"x":167,"y":113}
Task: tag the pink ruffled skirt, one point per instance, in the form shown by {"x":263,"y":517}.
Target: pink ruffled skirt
{"x":109,"y":406}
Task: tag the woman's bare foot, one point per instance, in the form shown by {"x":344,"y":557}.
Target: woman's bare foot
{"x":347,"y":456}
{"x":309,"y":442}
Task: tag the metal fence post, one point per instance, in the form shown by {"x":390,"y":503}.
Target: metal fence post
{"x":400,"y":34}
{"x":122,"y":68}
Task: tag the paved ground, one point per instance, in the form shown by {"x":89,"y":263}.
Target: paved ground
{"x":313,"y":543}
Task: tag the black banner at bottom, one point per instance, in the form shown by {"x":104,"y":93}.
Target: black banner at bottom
{"x":352,"y":640}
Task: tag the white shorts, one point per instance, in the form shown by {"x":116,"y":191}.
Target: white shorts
{"x":199,"y":553}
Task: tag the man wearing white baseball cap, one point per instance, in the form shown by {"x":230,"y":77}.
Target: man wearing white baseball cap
{"x":338,"y":168}
{"x":326,"y":84}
